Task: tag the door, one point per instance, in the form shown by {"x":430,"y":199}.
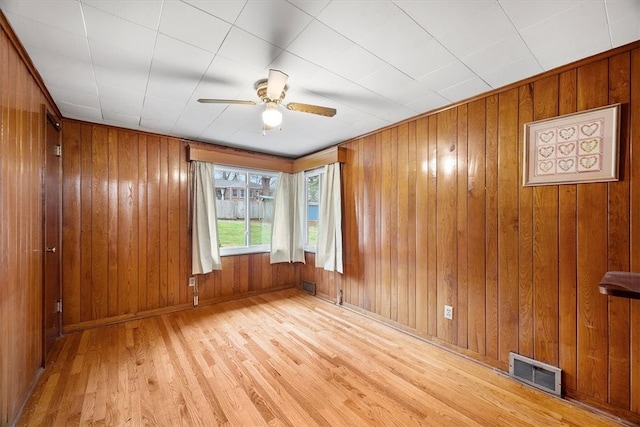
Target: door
{"x":52,"y":303}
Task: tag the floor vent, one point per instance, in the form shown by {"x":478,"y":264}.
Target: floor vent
{"x":537,"y":374}
{"x":309,"y":287}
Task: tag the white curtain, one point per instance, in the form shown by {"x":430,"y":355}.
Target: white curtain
{"x":329,"y":244}
{"x":205,"y":247}
{"x":287,"y":230}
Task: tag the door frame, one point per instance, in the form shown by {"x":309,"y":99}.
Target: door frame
{"x":51,"y":119}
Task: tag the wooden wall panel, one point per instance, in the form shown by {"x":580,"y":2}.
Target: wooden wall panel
{"x":508,"y":241}
{"x":633,"y":175}
{"x":567,"y":247}
{"x":545,"y":245}
{"x":22,"y":143}
{"x":128,"y":231}
{"x":520,"y":265}
{"x":618,"y":244}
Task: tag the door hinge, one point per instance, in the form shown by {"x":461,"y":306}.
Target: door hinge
{"x":59,"y":150}
{"x":59,"y":306}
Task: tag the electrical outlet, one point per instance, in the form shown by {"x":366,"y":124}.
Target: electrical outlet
{"x":192,"y":281}
{"x":448,"y":312}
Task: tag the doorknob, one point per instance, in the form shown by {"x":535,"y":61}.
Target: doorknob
{"x":52,"y":250}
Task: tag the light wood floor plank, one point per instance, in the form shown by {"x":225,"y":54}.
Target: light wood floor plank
{"x":280,"y":359}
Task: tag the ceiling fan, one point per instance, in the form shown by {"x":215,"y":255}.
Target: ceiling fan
{"x":271,"y":92}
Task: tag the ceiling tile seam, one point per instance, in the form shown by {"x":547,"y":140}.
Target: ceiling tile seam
{"x":443,"y":46}
{"x":215,"y":54}
{"x":521,"y":37}
{"x":606,"y":12}
{"x":93,"y":66}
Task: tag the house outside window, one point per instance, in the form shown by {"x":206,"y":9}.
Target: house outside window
{"x":244,"y":223}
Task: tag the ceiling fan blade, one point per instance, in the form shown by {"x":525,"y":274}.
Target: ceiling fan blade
{"x":313,"y":109}
{"x":225,"y":101}
{"x":276,"y":83}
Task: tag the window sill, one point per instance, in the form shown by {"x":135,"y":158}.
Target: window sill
{"x":244,"y":251}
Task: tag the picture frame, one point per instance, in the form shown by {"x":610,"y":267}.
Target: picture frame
{"x":574,"y":148}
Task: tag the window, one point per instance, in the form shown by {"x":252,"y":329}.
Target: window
{"x":244,"y":223}
{"x":313,"y":182}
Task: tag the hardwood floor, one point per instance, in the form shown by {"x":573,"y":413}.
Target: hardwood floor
{"x":280,"y":359}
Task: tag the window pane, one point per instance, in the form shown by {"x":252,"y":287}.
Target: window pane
{"x":313,"y":205}
{"x":262,"y":188}
{"x":229,"y":207}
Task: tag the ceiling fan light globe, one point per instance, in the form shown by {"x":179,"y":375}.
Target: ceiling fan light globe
{"x":271,"y":117}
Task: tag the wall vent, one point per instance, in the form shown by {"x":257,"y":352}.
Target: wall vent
{"x":309,"y":287}
{"x":537,"y":374}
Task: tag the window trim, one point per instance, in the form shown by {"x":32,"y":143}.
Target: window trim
{"x":319,"y":172}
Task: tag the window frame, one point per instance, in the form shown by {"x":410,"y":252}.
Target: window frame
{"x":247,"y":248}
{"x":319,"y":172}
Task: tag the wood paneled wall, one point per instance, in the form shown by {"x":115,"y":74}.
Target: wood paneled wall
{"x":22,"y":123}
{"x":435,"y":214}
{"x":126,"y":231}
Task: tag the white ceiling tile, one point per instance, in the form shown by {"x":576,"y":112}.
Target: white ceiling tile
{"x":385,"y":81}
{"x":161,"y":110}
{"x":482,"y":30}
{"x":52,"y":39}
{"x":398,"y":38}
{"x":65,"y":15}
{"x":428,"y":103}
{"x":511,"y":73}
{"x":447,"y":76}
{"x":425,"y":59}
{"x":319,"y":44}
{"x":180,"y":59}
{"x":438,"y":16}
{"x":464,"y":90}
{"x":202,"y":30}
{"x":74,"y":97}
{"x":257,"y":18}
{"x":498,"y":55}
{"x":107,"y":79}
{"x":121,"y":120}
{"x":356,"y":22}
{"x":354,"y":63}
{"x":163,"y":85}
{"x":312,"y":7}
{"x":122,"y":101}
{"x":64,"y":72}
{"x":226,"y":79}
{"x":227,"y":10}
{"x":194,"y":121}
{"x":80,"y":112}
{"x":625,"y":30}
{"x":142,"y":12}
{"x":525,"y":13}
{"x":247,"y":49}
{"x":570,"y":42}
{"x":117,"y":32}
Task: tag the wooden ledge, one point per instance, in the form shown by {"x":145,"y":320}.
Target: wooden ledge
{"x":621,"y":284}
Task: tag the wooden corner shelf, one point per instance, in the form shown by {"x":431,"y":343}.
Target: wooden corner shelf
{"x":621,"y":284}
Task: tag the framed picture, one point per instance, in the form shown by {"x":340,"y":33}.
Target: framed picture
{"x":574,"y":148}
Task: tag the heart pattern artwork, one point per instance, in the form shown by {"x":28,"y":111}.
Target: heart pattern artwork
{"x":572,"y":149}
{"x":567,"y":148}
{"x":590,"y":129}
{"x":545,"y":152}
{"x":546,"y":166}
{"x":567,"y":165}
{"x":588,"y":162}
{"x":547,"y":136}
{"x":589,"y":145}
{"x":567,"y":133}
